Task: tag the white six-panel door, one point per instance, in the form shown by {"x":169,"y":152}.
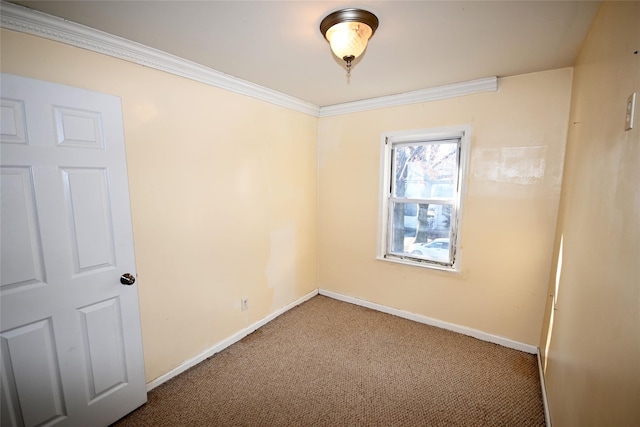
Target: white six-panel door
{"x":71,"y":350}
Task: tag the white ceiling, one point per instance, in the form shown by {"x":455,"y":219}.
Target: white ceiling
{"x":277,"y":44}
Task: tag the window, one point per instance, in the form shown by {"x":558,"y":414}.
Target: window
{"x":423,"y":175}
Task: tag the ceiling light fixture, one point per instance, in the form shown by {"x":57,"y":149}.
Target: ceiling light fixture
{"x":348,"y":31}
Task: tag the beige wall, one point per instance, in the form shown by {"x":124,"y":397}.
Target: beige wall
{"x":593,"y":366}
{"x":509,"y":216}
{"x":224,"y":210}
{"x":223,"y":192}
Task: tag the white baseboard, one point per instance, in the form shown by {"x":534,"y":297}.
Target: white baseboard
{"x":505,"y":342}
{"x":226,"y":342}
{"x":545,"y":402}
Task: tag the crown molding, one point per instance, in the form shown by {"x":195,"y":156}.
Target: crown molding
{"x":18,"y":18}
{"x":489,"y":84}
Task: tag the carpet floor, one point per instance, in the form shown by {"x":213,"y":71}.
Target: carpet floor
{"x":330,"y":363}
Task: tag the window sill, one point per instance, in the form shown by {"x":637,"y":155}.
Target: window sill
{"x":432,"y":266}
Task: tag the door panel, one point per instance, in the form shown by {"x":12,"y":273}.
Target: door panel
{"x":19,"y":226}
{"x":104,"y":343}
{"x":13,"y":125}
{"x":33,"y":387}
{"x":78,"y":128}
{"x":90,"y":224}
{"x":71,"y":337}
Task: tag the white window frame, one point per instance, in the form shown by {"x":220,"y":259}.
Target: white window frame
{"x":388,"y":140}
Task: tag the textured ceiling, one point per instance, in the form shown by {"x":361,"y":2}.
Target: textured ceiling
{"x":277,"y":44}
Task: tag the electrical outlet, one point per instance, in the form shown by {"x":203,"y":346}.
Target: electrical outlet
{"x":631,"y":112}
{"x":244,"y":304}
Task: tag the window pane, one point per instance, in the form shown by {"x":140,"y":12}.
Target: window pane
{"x":403,"y":225}
{"x":425,"y":235}
{"x":424,"y":171}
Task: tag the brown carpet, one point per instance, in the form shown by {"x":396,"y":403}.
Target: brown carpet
{"x":330,"y":363}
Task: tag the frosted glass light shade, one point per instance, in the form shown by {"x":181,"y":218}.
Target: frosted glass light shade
{"x":348,"y":38}
{"x":348,"y":31}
